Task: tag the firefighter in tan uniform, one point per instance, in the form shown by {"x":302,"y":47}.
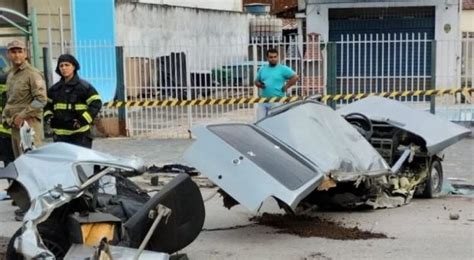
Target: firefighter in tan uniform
{"x":26,"y":95}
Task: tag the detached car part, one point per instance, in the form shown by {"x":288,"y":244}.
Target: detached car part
{"x":306,"y":152}
{"x":83,"y":196}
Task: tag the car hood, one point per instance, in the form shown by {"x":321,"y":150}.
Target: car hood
{"x":437,"y":133}
{"x":252,"y":166}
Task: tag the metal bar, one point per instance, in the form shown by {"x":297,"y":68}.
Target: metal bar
{"x":61,"y":29}
{"x":377,"y":62}
{"x":47,"y":67}
{"x":425,"y":47}
{"x":34,"y":36}
{"x":120,"y":89}
{"x":26,"y":32}
{"x":189,"y":96}
{"x":12,"y":35}
{"x":51,"y":50}
{"x":371,"y":62}
{"x":162,"y":211}
{"x":359,"y":60}
{"x":418,"y":72}
{"x":347,"y":77}
{"x":365,"y":64}
{"x":389,"y":51}
{"x":332,"y":73}
{"x":433,"y":76}
{"x":412,"y":60}
{"x":400,"y":74}
{"x":396,"y":167}
{"x":341,"y":57}
{"x":353,"y":63}
{"x":406,"y":62}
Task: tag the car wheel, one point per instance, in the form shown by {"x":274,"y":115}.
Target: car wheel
{"x":434,"y":183}
{"x":56,"y":243}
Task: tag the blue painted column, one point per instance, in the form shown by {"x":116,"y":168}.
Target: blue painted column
{"x":94,"y":41}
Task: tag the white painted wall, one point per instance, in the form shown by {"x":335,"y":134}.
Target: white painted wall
{"x":228,"y":5}
{"x":446,"y":12}
{"x":208,"y":37}
{"x":467,"y":21}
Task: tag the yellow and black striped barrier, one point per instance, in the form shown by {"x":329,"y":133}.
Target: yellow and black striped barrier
{"x":252,"y":100}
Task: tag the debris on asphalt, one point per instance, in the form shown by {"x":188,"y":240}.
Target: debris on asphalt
{"x":463,"y":189}
{"x":173,"y":168}
{"x":307,"y":226}
{"x":453,"y":216}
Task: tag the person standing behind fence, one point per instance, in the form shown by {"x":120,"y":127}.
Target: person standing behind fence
{"x":26,"y":96}
{"x":72,"y":105}
{"x":274,"y":80}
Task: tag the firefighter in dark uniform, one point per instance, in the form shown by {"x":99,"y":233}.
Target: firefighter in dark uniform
{"x":73,"y":103}
{"x":6,"y":150}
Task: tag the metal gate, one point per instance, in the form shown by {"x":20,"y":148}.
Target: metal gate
{"x":378,"y":63}
{"x":382,"y":49}
{"x":221,"y":71}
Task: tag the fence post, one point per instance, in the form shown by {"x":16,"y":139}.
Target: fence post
{"x":255,"y":66}
{"x":331,"y":72}
{"x":34,"y":36}
{"x":47,"y":67}
{"x":120,"y":90}
{"x":189,"y":94}
{"x":433,"y":77}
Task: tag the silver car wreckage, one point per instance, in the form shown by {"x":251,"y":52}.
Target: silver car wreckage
{"x":372,"y":153}
{"x":75,"y":197}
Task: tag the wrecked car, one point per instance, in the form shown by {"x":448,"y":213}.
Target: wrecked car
{"x":80,"y":204}
{"x":373,"y":153}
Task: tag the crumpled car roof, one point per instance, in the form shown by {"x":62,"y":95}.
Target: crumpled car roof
{"x":43,"y":169}
{"x":323,"y":137}
{"x":438,"y":133}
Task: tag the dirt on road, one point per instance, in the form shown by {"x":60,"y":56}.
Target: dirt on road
{"x":307,"y":226}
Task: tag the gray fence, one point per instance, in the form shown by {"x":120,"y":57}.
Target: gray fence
{"x":355,"y":64}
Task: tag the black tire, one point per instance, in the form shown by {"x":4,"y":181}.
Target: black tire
{"x":56,"y":243}
{"x":434,"y":183}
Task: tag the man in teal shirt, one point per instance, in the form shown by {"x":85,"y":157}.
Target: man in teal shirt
{"x":273,"y":80}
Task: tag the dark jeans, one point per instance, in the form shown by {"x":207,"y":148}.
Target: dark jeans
{"x":81,"y":139}
{"x":6,"y":150}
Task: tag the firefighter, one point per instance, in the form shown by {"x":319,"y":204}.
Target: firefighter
{"x":6,"y":150}
{"x":73,"y":103}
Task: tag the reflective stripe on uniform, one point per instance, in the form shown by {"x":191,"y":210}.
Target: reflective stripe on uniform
{"x":71,"y":132}
{"x":47,"y":113}
{"x":87,"y":116}
{"x":64,"y":106}
{"x":60,"y":106}
{"x":81,"y":107}
{"x":5,"y":130}
{"x":92,"y":98}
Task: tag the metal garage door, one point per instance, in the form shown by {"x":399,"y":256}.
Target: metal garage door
{"x":382,"y":49}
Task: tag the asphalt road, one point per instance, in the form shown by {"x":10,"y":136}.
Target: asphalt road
{"x":420,"y":230}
